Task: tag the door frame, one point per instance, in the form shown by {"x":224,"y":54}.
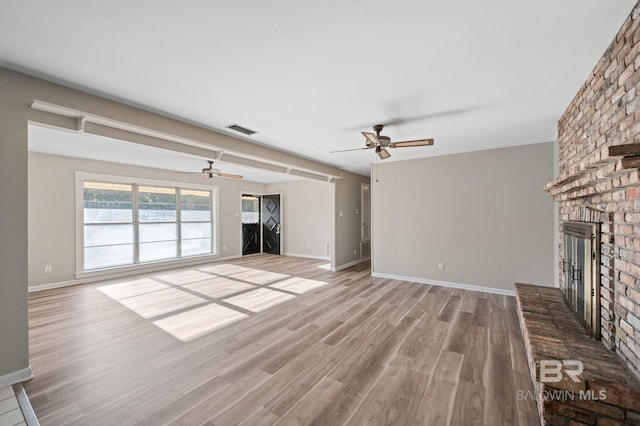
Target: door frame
{"x":239,"y":215}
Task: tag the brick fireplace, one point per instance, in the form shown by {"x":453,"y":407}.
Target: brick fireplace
{"x":598,"y":184}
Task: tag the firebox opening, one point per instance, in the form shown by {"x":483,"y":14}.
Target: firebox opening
{"x":581,"y":271}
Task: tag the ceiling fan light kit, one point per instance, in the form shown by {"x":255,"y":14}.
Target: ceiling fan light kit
{"x":381,"y":143}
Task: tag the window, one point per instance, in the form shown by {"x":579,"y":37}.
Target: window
{"x":158,"y":223}
{"x":108,"y":225}
{"x":129,"y":223}
{"x":195,"y":218}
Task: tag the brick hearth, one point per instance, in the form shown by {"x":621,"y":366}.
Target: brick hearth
{"x":552,"y":332}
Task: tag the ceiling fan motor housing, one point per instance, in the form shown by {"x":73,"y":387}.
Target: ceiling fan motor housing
{"x":385,"y":141}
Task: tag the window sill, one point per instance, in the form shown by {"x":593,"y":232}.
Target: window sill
{"x":146,"y":267}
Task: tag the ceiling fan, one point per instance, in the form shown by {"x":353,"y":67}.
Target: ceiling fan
{"x":381,"y":143}
{"x":211,"y":171}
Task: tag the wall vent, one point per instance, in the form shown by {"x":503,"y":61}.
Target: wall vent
{"x":241,"y":129}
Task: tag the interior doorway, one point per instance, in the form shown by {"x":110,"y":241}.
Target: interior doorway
{"x":261,"y":224}
{"x":365,"y":227}
{"x":251,"y":236}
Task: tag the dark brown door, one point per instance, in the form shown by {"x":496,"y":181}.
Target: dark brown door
{"x":271,"y":224}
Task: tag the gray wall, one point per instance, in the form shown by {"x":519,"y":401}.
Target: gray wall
{"x":483,"y":214}
{"x":307,"y":219}
{"x":13,"y":230}
{"x":52,"y":227}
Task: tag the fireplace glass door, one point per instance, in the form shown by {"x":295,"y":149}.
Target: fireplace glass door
{"x":582,"y":272}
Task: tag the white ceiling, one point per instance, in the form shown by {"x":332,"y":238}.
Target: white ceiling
{"x":309,"y":76}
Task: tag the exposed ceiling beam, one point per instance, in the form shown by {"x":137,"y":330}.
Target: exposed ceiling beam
{"x":92,"y":123}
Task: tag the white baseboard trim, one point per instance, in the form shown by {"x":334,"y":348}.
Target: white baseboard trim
{"x":306,"y":256}
{"x":157,"y":268}
{"x":348,"y":265}
{"x":446,"y":284}
{"x":10,"y":379}
{"x":25,"y":405}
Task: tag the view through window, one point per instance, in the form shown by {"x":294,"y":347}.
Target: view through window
{"x":128,"y":223}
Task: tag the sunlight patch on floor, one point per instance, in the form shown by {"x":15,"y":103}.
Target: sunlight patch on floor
{"x":225,"y":269}
{"x":219,"y":287}
{"x":191,"y":303}
{"x":259,"y":300}
{"x":184,"y":277}
{"x":299,"y":285}
{"x":257,"y":276}
{"x":194,"y":323}
{"x":132,"y":288}
{"x":161,"y":302}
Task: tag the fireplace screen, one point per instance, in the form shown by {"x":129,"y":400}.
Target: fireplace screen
{"x":581,"y":267}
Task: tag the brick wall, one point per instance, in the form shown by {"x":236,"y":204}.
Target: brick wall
{"x":593,"y":186}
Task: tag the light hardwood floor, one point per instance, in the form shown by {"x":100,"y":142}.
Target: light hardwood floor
{"x":275,"y":340}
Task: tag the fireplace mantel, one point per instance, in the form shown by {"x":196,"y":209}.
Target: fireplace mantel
{"x":582,"y":180}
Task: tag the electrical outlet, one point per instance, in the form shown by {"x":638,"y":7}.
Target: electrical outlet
{"x":441,"y":266}
{"x":355,"y":251}
{"x":48,"y":269}
{"x":308,"y":245}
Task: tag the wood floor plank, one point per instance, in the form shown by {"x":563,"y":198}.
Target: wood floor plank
{"x":438,"y":402}
{"x":312,"y":403}
{"x":282,"y":391}
{"x":474,"y":364}
{"x":388,"y":400}
{"x":458,"y":339}
{"x":468,"y":407}
{"x":222,"y":399}
{"x":308,"y":346}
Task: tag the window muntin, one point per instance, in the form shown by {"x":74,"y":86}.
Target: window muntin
{"x":128,"y":223}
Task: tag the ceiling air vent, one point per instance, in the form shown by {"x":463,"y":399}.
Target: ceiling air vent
{"x":240,"y":129}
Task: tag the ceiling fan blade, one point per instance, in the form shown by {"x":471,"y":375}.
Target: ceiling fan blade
{"x":407,"y":144}
{"x":347,"y":150}
{"x":228,"y":175}
{"x":382,"y":153}
{"x":372,"y":139}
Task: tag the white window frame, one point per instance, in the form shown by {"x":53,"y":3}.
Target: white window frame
{"x":81,"y":177}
